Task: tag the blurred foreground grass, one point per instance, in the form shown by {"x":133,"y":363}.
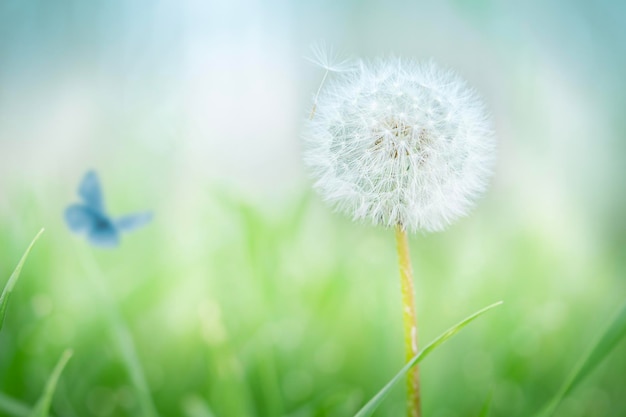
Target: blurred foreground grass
{"x":248,"y":309}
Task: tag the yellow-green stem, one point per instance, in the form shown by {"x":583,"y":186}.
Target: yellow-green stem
{"x":410,"y":322}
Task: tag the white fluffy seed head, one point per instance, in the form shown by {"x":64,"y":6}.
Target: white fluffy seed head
{"x":399,"y":142}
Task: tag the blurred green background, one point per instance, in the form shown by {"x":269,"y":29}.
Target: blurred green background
{"x":247,"y":296}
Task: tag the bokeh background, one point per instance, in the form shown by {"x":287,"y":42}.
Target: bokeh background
{"x":246,"y":296}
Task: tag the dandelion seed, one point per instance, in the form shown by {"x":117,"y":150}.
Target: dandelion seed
{"x":327,"y":58}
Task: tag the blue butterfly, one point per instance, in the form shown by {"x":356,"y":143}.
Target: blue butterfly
{"x":90,"y":216}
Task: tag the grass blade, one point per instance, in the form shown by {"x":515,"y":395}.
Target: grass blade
{"x":13,"y":407}
{"x":122,"y":338}
{"x":484,"y":412}
{"x":8,"y":288}
{"x":43,"y":405}
{"x":195,"y":406}
{"x":609,"y":339}
{"x":369,"y":408}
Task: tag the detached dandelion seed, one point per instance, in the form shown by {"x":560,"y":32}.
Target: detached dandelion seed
{"x":400,"y":144}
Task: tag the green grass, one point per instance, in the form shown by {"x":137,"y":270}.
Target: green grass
{"x":371,"y":406}
{"x":612,"y":335}
{"x":5,"y":296}
{"x":245,"y":309}
{"x":42,"y":408}
{"x":121,"y":337}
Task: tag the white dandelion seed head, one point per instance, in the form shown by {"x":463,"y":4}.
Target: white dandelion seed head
{"x":398,"y":142}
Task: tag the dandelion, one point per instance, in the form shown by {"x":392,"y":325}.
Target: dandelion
{"x":400,"y":144}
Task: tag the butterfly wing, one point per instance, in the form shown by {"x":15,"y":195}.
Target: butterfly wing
{"x":91,"y":192}
{"x":133,"y":221}
{"x":100,"y":230}
{"x":80,"y":218}
{"x":104,"y":234}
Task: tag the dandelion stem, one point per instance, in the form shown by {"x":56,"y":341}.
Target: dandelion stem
{"x":410,"y":322}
